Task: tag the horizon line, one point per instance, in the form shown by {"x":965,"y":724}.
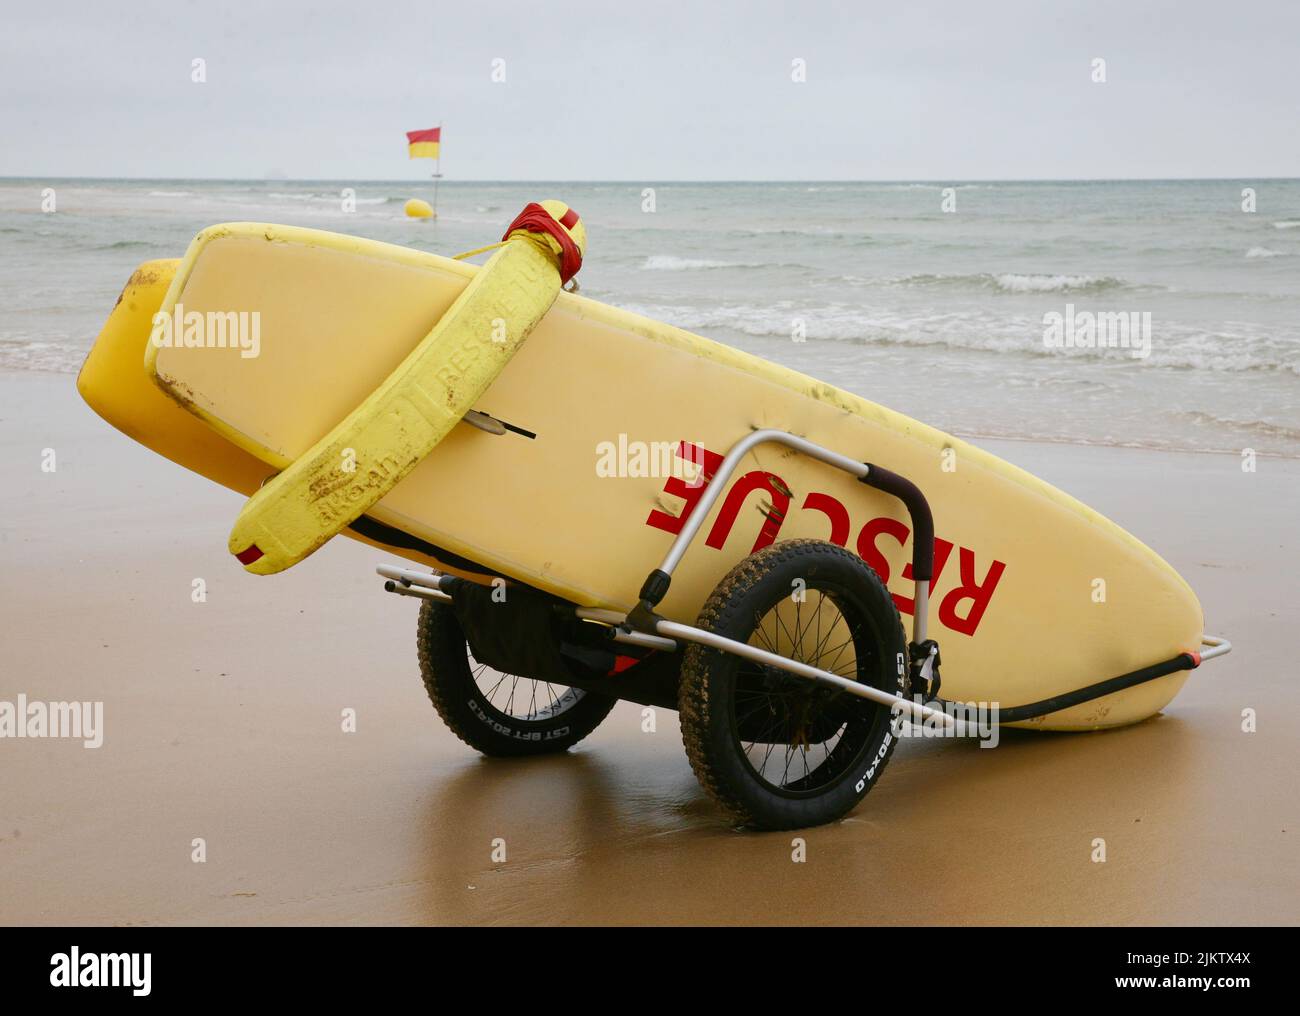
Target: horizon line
{"x":646,"y":181}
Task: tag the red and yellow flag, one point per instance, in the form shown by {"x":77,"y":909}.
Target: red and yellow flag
{"x":424,"y":144}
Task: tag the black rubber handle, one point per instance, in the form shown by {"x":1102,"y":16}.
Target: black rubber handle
{"x":917,"y":507}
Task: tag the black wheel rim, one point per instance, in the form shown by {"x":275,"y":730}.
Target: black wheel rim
{"x":798,"y":738}
{"x":516,"y":699}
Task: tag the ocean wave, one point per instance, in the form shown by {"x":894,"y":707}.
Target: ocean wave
{"x":1229,"y":349}
{"x":1264,"y":252}
{"x":671,"y":263}
{"x":329,"y":199}
{"x":927,"y":186}
{"x":820,"y":232}
{"x":848,"y":324}
{"x":1259,"y":427}
{"x":1012,"y":282}
{"x":171,"y":194}
{"x":1287,"y":224}
{"x":36,"y":355}
{"x":122,"y":245}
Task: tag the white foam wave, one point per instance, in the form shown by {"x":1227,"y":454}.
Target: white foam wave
{"x":670,"y":263}
{"x":327,"y":199}
{"x":1251,"y":426}
{"x":34,"y":354}
{"x":1230,"y":348}
{"x":1013,"y":283}
{"x":1016,"y":282}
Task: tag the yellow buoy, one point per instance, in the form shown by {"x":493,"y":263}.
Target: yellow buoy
{"x":418,"y":209}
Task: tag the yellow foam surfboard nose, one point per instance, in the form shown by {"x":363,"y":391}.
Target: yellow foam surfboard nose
{"x":378,"y":443}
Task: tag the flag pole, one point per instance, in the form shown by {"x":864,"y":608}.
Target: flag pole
{"x":437,"y":171}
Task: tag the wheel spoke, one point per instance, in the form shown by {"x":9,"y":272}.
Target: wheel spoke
{"x":526,"y":699}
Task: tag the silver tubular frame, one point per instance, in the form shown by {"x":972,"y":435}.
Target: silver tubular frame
{"x":920,"y":610}
{"x":618,"y":623}
{"x":729,"y":465}
{"x":402,"y":579}
{"x":667,"y":635}
{"x":815,"y":674}
{"x":1218,"y":647}
{"x":429,"y":586}
{"x":654,"y":632}
{"x":718,"y":483}
{"x":419,"y":592}
{"x":691,"y":528}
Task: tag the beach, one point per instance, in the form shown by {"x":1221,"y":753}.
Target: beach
{"x":223,"y":736}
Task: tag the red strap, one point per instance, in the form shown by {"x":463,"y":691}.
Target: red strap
{"x":536,"y":219}
{"x":622,"y":663}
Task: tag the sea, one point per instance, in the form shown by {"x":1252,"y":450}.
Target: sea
{"x":964,"y":304}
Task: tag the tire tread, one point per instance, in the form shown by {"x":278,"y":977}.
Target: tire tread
{"x":719,"y":614}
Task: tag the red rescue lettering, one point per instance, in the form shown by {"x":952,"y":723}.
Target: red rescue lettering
{"x":979,"y":593}
{"x":970,"y":588}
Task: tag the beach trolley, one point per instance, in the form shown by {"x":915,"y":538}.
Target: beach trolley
{"x":595,"y":506}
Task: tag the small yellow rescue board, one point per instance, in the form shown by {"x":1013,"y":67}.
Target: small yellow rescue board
{"x":368,"y":452}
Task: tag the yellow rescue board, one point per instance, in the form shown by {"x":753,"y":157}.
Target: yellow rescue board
{"x":1012,"y":604}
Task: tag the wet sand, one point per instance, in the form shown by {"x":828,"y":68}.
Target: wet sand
{"x":223,"y":723}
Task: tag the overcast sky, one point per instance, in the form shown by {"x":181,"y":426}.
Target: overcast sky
{"x":653,"y":92}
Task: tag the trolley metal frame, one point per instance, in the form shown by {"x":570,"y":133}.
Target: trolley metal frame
{"x":643,"y":627}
